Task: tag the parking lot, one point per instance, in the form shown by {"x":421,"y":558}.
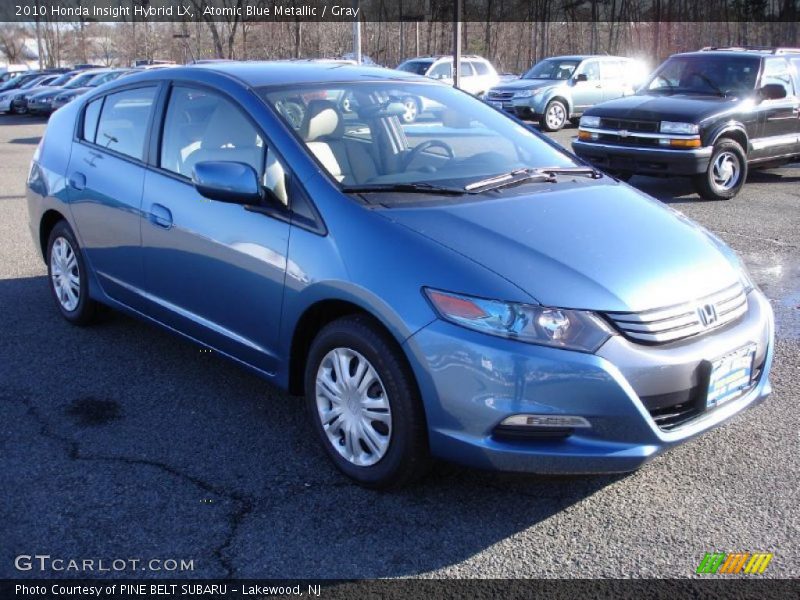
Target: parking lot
{"x":123,"y":441}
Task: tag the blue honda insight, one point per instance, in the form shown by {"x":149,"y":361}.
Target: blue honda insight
{"x":458,"y":287}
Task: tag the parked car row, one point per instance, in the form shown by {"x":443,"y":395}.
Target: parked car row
{"x":42,"y":92}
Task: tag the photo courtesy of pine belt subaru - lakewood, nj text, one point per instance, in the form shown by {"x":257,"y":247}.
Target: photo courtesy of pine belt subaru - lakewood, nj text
{"x":458,"y":287}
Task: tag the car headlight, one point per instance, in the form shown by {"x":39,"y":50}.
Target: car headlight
{"x":557,"y":327}
{"x":590,"y":121}
{"x":673,"y":127}
{"x":523,"y":94}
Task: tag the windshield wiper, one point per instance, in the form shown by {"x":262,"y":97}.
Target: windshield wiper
{"x":407,"y":188}
{"x":545,"y":174}
{"x":710,"y":83}
{"x":510,"y":178}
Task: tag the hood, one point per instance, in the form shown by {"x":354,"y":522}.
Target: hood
{"x":601,"y":246}
{"x":675,"y":107}
{"x":527,"y":84}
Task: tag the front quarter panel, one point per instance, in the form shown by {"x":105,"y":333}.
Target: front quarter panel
{"x":368,"y":260}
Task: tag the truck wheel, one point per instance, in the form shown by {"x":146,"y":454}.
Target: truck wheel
{"x":555,"y":115}
{"x":726,"y":172}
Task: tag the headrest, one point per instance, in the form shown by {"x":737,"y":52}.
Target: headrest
{"x":322,"y":119}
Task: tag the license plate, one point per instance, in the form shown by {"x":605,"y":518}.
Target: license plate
{"x":730,"y":374}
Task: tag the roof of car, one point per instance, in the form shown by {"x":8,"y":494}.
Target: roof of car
{"x":732,"y":53}
{"x":266,"y":73}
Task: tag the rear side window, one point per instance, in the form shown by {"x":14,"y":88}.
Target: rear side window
{"x":443,"y":69}
{"x":90,"y":117}
{"x":612,"y":69}
{"x":123,"y":121}
{"x":467,"y":70}
{"x":480,"y":68}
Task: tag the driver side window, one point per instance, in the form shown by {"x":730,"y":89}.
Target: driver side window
{"x":443,"y":69}
{"x":203,"y":126}
{"x":591,"y":69}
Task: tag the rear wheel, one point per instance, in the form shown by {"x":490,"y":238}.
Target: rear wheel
{"x":364,"y":405}
{"x":67,"y":275}
{"x":726,"y":172}
{"x":555,"y":115}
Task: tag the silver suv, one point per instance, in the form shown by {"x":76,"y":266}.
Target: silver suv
{"x":559,"y":89}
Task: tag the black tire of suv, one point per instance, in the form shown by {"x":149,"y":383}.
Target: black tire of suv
{"x":407,"y":457}
{"x":86,"y":311}
{"x":543,"y":121}
{"x":704,"y":183}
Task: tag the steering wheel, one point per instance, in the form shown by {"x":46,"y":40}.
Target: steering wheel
{"x":425,"y":146}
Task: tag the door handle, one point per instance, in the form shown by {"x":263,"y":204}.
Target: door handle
{"x":77,"y":181}
{"x":160,"y":216}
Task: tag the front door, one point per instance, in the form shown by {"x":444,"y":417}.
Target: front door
{"x":590,"y":92}
{"x":779,"y":123}
{"x":213,"y":270}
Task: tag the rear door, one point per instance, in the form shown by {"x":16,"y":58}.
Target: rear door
{"x":214,"y":270}
{"x":613,"y":80}
{"x":105,"y":178}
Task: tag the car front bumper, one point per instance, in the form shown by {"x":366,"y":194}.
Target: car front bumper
{"x":470,"y":382}
{"x":40,"y":107}
{"x":5,"y":105}
{"x":643,"y":160}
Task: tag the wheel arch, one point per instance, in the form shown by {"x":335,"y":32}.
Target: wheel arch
{"x":312,"y":320}
{"x":735,"y":132}
{"x":46,"y":224}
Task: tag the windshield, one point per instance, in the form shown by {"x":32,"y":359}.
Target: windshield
{"x":380,"y":133}
{"x":718,"y":75}
{"x":33,"y":83}
{"x":15,"y":82}
{"x":418,"y":67}
{"x":80,"y":80}
{"x":552,"y":68}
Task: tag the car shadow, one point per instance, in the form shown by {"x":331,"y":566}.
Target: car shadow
{"x":12,"y":119}
{"x":33,"y":140}
{"x":142,"y":442}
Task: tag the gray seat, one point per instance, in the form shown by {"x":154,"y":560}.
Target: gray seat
{"x":322,"y":129}
{"x":230,"y":137}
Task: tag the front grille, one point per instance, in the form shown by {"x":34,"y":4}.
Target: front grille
{"x":500,"y":95}
{"x":629,"y":125}
{"x":608,"y":138}
{"x":661,"y":325}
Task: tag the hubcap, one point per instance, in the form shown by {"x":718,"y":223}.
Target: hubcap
{"x":64,"y":274}
{"x":726,"y":171}
{"x":556,"y":116}
{"x":353,"y":407}
{"x":411,"y":110}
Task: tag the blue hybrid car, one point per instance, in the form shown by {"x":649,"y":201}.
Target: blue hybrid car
{"x":458,"y":287}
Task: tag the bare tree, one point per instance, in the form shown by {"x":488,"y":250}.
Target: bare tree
{"x":12,"y":42}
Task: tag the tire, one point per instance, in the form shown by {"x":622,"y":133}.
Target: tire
{"x":400,"y":454}
{"x":66,"y":272}
{"x":555,"y":116}
{"x":412,"y":109}
{"x":726,"y":173}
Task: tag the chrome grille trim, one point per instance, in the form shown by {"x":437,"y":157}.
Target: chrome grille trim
{"x":662,"y":325}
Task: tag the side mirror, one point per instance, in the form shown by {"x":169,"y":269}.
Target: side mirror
{"x":772,"y":91}
{"x":581,"y":77}
{"x":227,"y":181}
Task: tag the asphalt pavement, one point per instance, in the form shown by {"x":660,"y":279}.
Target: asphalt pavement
{"x":121,"y":441}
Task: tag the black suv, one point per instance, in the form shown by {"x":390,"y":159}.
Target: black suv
{"x":709,"y":115}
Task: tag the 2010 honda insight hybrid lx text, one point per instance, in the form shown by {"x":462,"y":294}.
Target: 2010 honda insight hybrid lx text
{"x":457,"y":287}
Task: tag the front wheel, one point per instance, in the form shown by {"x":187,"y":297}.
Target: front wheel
{"x":364,"y":404}
{"x":555,"y":115}
{"x":726,"y":172}
{"x":411,"y":109}
{"x":66,"y":271}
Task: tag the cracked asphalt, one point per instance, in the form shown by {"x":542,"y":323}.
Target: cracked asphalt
{"x":122,"y":441}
